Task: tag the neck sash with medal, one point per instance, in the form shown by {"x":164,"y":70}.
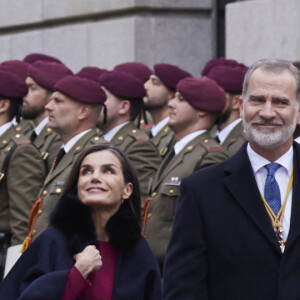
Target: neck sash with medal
{"x":277,"y":219}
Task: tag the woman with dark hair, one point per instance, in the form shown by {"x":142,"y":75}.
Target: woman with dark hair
{"x":93,"y":248}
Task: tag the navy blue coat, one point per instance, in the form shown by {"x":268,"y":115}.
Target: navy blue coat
{"x":223,"y":245}
{"x":42,"y":271}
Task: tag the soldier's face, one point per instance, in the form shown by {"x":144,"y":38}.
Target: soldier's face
{"x":64,"y":113}
{"x":182,"y":114}
{"x":157,"y":94}
{"x":101,"y":182}
{"x":270,"y":109}
{"x":35,"y":101}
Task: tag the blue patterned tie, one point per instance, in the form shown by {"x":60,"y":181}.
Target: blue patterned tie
{"x":272,"y":192}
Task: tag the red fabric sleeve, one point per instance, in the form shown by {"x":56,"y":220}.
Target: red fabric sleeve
{"x":76,"y":284}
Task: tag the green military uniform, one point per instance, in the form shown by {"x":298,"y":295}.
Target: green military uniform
{"x":159,"y":216}
{"x":55,"y":182}
{"x":230,"y":146}
{"x":164,"y":141}
{"x":235,"y":139}
{"x":25,"y":126}
{"x":48,"y":142}
{"x":20,"y":182}
{"x":140,"y":151}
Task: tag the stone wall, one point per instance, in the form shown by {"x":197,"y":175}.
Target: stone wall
{"x":104,"y":33}
{"x":263,"y":29}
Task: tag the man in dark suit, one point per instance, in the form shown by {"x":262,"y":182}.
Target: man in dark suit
{"x":237,"y":228}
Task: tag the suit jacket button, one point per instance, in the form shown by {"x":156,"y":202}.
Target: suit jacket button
{"x":154,"y":194}
{"x":58,"y":190}
{"x":45,"y":192}
{"x":149,"y":216}
{"x":33,"y":232}
{"x":39,"y":212}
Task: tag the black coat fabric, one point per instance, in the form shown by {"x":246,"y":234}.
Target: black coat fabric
{"x":223,"y":244}
{"x":42,"y":271}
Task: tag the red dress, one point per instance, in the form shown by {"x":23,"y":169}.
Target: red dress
{"x":99,"y":284}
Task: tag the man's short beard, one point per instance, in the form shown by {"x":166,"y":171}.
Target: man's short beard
{"x":268,"y":138}
{"x":32,"y":113}
{"x":223,"y":118}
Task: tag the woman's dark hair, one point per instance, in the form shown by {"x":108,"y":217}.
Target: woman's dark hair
{"x":75,"y":220}
{"x":128,"y":171}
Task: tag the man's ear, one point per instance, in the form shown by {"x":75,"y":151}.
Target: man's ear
{"x":84,"y":111}
{"x":202,"y":114}
{"x":124,"y":107}
{"x":236,"y":102}
{"x":4,"y":105}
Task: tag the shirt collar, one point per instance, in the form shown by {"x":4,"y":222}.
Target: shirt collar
{"x":257,"y":161}
{"x":110,"y":134}
{"x":222,"y":135}
{"x":73,"y":140}
{"x":41,"y":126}
{"x":5,"y":127}
{"x":185,"y":140}
{"x":156,"y":128}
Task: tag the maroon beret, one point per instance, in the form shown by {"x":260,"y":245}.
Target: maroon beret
{"x":170,"y":75}
{"x":46,"y":73}
{"x":137,"y":69}
{"x":220,"y":61}
{"x":81,"y":89}
{"x":18,"y":67}
{"x":229,"y":78}
{"x":92,"y":73}
{"x":31,"y":58}
{"x":123,"y":85}
{"x":203,"y":94}
{"x":12,"y":86}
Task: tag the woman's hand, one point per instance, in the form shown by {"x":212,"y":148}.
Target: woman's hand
{"x":88,"y":261}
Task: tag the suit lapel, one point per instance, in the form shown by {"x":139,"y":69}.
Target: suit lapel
{"x":241,"y":183}
{"x":294,"y":231}
{"x":68,"y":158}
{"x":40,"y":139}
{"x":177,"y":159}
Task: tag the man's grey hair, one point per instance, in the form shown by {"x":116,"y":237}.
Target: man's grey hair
{"x":275,"y":66}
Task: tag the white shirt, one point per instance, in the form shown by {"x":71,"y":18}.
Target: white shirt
{"x":282,"y":176}
{"x":74,"y":140}
{"x":223,"y":134}
{"x":185,"y":140}
{"x":5,"y":127}
{"x":156,"y":128}
{"x":110,"y":134}
{"x":41,"y":126}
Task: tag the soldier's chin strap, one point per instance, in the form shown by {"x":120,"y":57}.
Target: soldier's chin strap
{"x":31,"y":222}
{"x":104,"y":114}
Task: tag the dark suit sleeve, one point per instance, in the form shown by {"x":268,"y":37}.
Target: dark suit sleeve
{"x":25,"y":177}
{"x":185,"y":269}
